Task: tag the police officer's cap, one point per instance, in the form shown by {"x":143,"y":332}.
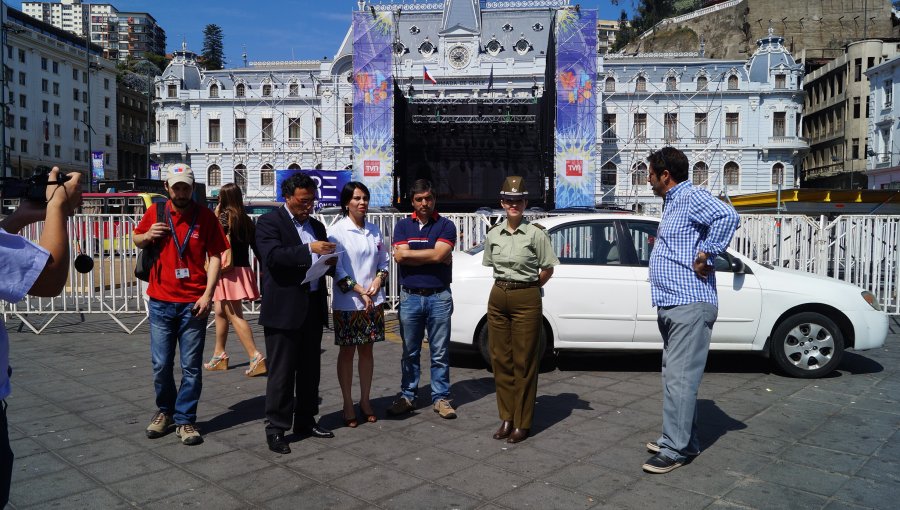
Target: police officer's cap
{"x":513,"y":188}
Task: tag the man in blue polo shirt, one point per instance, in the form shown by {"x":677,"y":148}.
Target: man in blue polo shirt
{"x":423,"y":250}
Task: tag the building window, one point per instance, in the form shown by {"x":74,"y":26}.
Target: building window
{"x":56,"y":109}
{"x":105,"y":83}
{"x":266,"y":90}
{"x":888,"y":93}
{"x":267,"y":175}
{"x":240,"y":177}
{"x":671,"y":83}
{"x":84,"y":96}
{"x":214,"y":175}
{"x":731,"y":125}
{"x":45,"y":106}
{"x":47,"y":149}
{"x":293,"y":90}
{"x":55,"y":67}
{"x":700,"y":125}
{"x":75,"y":74}
{"x":640,"y":126}
{"x":267,"y":130}
{"x":639,"y":175}
{"x":854,"y":149}
{"x":732,"y":82}
{"x":106,"y":121}
{"x":778,"y":124}
{"x":670,"y":127}
{"x":701,"y":174}
{"x":75,"y":94}
{"x":318,"y":127}
{"x":172,"y":130}
{"x":213,"y":91}
{"x":22,"y":100}
{"x":857,"y":70}
{"x":348,"y":119}
{"x":780,"y":81}
{"x":608,"y":174}
{"x":240,"y":90}
{"x":57,"y":150}
{"x":23,"y":123}
{"x":45,"y":86}
{"x":240,"y":130}
{"x":23,"y":144}
{"x":777,"y":174}
{"x":109,"y":140}
{"x":55,"y":89}
{"x":870,"y":62}
{"x":22,"y":57}
{"x":57,"y":129}
{"x":294,"y":130}
{"x":44,"y":63}
{"x":610,"y":85}
{"x":22,"y":80}
{"x":172,"y":90}
{"x":214,"y":134}
{"x":732,"y":174}
{"x":702,"y":83}
{"x":609,"y":126}
{"x":856,"y":110}
{"x":640,"y":85}
{"x":868,"y":108}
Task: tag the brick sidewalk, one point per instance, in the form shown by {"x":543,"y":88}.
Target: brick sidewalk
{"x":82,"y":396}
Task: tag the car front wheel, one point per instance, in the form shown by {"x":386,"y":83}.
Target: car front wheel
{"x":807,"y":345}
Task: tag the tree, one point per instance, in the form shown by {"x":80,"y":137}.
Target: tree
{"x":213,"y":52}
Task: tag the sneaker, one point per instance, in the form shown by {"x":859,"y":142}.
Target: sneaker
{"x":160,"y":425}
{"x":189,"y":434}
{"x":443,"y":408}
{"x":652,"y":447}
{"x":659,"y":464}
{"x":400,"y":406}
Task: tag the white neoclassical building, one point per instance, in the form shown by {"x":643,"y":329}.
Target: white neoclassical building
{"x":240,"y":125}
{"x":883,"y":150}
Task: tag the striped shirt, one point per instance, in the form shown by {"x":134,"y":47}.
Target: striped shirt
{"x":693,"y":221}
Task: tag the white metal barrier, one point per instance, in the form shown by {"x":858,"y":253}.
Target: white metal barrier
{"x":862,"y":250}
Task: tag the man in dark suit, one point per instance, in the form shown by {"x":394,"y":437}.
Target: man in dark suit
{"x":293,"y":313}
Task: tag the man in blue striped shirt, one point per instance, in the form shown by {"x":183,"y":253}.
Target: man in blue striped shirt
{"x":695,"y":227}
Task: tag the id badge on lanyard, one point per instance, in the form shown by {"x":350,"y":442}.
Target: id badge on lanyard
{"x":182,"y":272}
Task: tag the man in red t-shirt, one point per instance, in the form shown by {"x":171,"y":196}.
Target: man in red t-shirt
{"x":181,"y":291}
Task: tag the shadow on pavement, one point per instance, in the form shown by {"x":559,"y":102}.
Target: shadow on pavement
{"x":858,"y":364}
{"x":556,"y":408}
{"x":244,"y":411}
{"x":714,"y":423}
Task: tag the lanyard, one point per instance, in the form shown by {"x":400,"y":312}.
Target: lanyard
{"x":181,"y":246}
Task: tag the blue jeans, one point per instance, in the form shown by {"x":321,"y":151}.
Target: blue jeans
{"x":172,"y":323}
{"x":686,"y":331}
{"x":418,"y":313}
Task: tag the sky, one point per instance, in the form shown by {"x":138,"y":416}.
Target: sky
{"x":273,"y":29}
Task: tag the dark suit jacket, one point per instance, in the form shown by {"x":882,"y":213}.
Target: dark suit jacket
{"x":286,"y":259}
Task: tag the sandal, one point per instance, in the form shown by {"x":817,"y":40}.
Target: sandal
{"x":370,"y":418}
{"x":217,"y":362}
{"x":257,"y":366}
{"x":351,"y":422}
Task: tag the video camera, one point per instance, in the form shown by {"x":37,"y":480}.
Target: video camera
{"x":34,"y":188}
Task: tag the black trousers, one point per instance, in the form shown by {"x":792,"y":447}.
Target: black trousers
{"x":293,"y":361}
{"x":6,"y":457}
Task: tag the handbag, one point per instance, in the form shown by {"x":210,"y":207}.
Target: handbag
{"x":148,"y":256}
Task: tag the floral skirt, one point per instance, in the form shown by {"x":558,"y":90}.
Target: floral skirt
{"x":358,"y":327}
{"x":238,"y":284}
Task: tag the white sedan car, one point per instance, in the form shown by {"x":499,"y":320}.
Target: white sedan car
{"x":599,"y":299}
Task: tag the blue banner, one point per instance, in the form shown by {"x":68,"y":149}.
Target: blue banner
{"x":373,"y":97}
{"x":97,"y":165}
{"x":576,"y":107}
{"x":329,"y":184}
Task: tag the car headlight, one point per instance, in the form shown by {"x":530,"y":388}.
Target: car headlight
{"x":871,"y":299}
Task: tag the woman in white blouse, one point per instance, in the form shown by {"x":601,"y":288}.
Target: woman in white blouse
{"x":358,"y":296}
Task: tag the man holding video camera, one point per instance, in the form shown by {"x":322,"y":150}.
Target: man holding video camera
{"x":36,"y":269}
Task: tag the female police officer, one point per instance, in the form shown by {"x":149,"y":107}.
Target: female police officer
{"x":523,"y":261}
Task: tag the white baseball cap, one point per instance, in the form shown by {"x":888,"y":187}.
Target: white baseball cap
{"x":179,"y":172}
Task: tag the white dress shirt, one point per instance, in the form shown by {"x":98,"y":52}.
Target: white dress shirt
{"x":307,"y":236}
{"x":362,"y":253}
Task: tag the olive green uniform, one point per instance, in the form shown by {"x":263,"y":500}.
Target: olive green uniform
{"x":514,"y":315}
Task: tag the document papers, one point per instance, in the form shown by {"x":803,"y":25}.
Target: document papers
{"x":319,"y":267}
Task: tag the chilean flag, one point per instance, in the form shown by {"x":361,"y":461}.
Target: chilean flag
{"x":427,"y":76}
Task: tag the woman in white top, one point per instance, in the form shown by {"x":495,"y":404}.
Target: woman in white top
{"x":358,"y":296}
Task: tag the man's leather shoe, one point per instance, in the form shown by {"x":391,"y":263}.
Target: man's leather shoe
{"x":504,"y":430}
{"x":315,"y":431}
{"x":277,"y":443}
{"x":517,"y":435}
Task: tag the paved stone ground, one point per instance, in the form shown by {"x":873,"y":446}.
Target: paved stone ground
{"x":82,"y":397}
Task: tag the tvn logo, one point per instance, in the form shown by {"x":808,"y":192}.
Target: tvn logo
{"x":574,"y":167}
{"x":372,"y":168}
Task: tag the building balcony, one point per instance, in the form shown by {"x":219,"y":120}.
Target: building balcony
{"x":733,"y":140}
{"x":787,"y":142}
{"x":215,"y":146}
{"x":882,"y":160}
{"x":701,"y":139}
{"x":294,"y":144}
{"x":267,"y":146}
{"x":163,"y":147}
{"x":610,"y":139}
{"x":670,"y":139}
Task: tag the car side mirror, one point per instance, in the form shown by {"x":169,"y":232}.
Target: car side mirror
{"x":737,"y":265}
